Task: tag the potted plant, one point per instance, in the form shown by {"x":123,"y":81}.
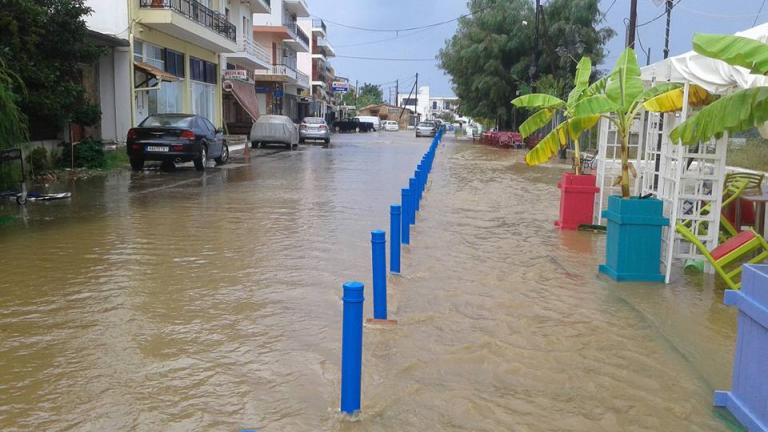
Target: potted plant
{"x":633,"y":245}
{"x":578,"y":190}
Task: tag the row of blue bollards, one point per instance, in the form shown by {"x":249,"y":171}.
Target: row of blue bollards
{"x":401,"y":218}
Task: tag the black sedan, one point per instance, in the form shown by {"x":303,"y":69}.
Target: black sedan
{"x":172,"y":138}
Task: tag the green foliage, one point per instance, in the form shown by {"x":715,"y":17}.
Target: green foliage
{"x":751,"y":156}
{"x":447,"y":117}
{"x":622,"y":98}
{"x":89,"y":153}
{"x":115,"y":159}
{"x":737,"y":111}
{"x":13,"y":123}
{"x":44,"y":42}
{"x":369,"y":95}
{"x":490,"y":55}
{"x":38,"y":161}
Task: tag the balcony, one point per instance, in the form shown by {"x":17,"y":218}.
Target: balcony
{"x":259,"y":6}
{"x":191,"y":21}
{"x":282,"y":73}
{"x":325,"y":47}
{"x":318,"y":27}
{"x":297,"y":7}
{"x":250,"y":55}
{"x":298,"y":40}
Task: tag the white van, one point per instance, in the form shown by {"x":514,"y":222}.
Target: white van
{"x":370,"y":119}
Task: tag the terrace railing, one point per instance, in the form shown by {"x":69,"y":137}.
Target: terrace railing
{"x":196,"y":12}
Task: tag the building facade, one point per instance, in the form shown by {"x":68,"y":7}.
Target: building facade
{"x":428,"y":107}
{"x":280,"y":87}
{"x":320,"y":103}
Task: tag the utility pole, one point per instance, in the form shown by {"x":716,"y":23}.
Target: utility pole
{"x":666,"y":36}
{"x":397,"y":92}
{"x":356,"y":95}
{"x":417,"y":99}
{"x":657,"y":165}
{"x":534,"y":65}
{"x":632,"y":29}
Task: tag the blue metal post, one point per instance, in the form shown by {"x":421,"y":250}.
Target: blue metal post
{"x":352,"y":347}
{"x":405,"y":221}
{"x":414,"y":199}
{"x":394,"y":244}
{"x":379,"y":264}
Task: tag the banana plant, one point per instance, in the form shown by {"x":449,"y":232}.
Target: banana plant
{"x":738,"y":111}
{"x":622,"y":98}
{"x":571,"y":127}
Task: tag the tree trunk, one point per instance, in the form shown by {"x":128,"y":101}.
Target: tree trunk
{"x":577,"y":156}
{"x":624,"y":164}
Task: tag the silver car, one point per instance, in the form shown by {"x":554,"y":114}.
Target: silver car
{"x":274,"y":129}
{"x":426,"y":128}
{"x":314,"y":128}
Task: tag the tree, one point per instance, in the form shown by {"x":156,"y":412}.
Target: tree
{"x":738,"y":111}
{"x":490,"y":55}
{"x":44,"y":42}
{"x":13,"y":123}
{"x":620,"y":100}
{"x":547,"y":105}
{"x":369,"y":95}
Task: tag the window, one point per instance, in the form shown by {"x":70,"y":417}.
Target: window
{"x":203,"y":95}
{"x":138,"y":51}
{"x":408,"y":102}
{"x":434,"y":105}
{"x":154,"y":55}
{"x":201,"y":70}
{"x":174,"y":62}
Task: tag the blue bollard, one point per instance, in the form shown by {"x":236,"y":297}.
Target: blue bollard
{"x":414,"y":199}
{"x":352,"y":347}
{"x":379,"y":265}
{"x":405,"y":220}
{"x":394,"y":244}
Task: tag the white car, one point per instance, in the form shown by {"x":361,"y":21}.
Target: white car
{"x":370,"y":119}
{"x":274,"y":129}
{"x":391,"y":125}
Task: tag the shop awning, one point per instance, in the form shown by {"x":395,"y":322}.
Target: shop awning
{"x":714,"y":76}
{"x":148,"y":69}
{"x":245,"y":94}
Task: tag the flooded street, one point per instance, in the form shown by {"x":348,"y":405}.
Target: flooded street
{"x":179,"y":301}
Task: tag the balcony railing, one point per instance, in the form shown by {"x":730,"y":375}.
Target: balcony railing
{"x":256,"y":50}
{"x":278,"y":69}
{"x":198,"y":13}
{"x":318,"y":23}
{"x":296,"y":31}
{"x":302,"y":79}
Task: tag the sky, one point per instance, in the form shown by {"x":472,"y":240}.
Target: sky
{"x":688,"y":17}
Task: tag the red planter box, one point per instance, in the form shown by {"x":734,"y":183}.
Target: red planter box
{"x":577,"y":200}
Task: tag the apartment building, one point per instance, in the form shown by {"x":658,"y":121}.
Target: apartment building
{"x":280,"y":87}
{"x":174,"y":58}
{"x":320,"y":103}
{"x":239,"y":100}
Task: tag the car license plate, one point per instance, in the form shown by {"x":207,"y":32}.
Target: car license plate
{"x":157,"y":149}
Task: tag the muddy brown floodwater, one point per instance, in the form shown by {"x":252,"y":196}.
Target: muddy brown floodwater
{"x":179,"y":301}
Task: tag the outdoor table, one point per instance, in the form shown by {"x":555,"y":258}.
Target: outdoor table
{"x":758,"y":200}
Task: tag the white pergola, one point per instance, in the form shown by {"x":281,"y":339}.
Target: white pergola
{"x":686,"y":178}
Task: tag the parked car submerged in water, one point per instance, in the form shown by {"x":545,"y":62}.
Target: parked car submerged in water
{"x":173,"y":138}
{"x":314,"y":128}
{"x":391,"y":126}
{"x":274,"y":129}
{"x":426,"y":129}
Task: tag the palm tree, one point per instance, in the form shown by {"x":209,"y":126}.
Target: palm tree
{"x":738,"y":111}
{"x":572,"y":127}
{"x":622,"y":99}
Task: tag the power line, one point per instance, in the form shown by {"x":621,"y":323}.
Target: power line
{"x":387,"y":59}
{"x":758,"y":13}
{"x":605,"y":14}
{"x":381,"y":40}
{"x":406,"y":29}
{"x":717,"y":15}
{"x":660,"y":15}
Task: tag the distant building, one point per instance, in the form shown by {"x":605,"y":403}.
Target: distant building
{"x":403,"y":116}
{"x":426,"y":106}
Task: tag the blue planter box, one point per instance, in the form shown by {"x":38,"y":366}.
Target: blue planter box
{"x":633,"y":244}
{"x":748,"y":400}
